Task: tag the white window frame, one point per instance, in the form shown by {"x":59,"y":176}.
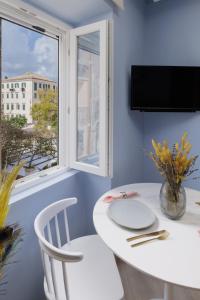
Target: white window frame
{"x":103,"y":168}
{"x":26,"y":15}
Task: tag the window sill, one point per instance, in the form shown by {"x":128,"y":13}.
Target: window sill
{"x":36,"y":184}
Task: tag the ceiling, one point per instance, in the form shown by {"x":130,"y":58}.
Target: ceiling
{"x":76,"y":12}
{"x":67,"y":11}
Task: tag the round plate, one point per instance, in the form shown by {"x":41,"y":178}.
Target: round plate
{"x":131,"y":214}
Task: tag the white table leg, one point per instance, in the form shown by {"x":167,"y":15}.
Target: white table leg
{"x":167,"y":292}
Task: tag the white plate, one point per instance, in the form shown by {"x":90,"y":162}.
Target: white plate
{"x":131,"y":213}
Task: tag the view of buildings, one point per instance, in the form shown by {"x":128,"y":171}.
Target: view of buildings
{"x":36,"y":145}
{"x":19,"y":93}
{"x":29,"y":98}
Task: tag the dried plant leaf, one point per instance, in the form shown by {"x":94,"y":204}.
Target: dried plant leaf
{"x":5,"y":191}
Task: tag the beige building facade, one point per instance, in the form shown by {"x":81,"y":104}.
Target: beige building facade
{"x":18,"y":94}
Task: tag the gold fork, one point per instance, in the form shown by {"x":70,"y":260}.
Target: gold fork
{"x":162,"y":236}
{"x":145,"y":235}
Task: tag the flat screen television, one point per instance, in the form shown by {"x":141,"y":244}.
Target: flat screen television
{"x":165,"y":88}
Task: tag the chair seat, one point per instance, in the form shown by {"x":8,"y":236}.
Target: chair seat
{"x":96,"y":277}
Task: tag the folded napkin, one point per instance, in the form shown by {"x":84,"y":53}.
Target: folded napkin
{"x":121,"y":195}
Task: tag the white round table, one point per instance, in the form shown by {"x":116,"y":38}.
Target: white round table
{"x":175,"y":260}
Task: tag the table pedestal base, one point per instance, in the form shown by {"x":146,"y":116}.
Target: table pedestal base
{"x":167,"y":292}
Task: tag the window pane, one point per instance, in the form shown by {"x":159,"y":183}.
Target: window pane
{"x":88,"y":98}
{"x":29,"y":121}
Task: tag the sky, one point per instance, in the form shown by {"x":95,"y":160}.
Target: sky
{"x":24,"y":50}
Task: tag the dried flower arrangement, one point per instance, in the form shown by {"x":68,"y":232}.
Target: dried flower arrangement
{"x":175,"y":164}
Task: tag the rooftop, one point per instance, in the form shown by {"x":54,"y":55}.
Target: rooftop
{"x":27,"y":76}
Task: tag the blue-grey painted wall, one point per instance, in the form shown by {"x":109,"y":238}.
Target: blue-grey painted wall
{"x":171,"y":38}
{"x":128,"y":125}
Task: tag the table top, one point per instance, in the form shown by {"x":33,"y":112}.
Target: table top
{"x":175,"y":260}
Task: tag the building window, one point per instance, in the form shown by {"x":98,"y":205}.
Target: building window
{"x":11,"y":95}
{"x":16,"y":85}
{"x":18,"y":106}
{"x":16,"y":95}
{"x":23,"y":95}
{"x":7,"y":106}
{"x":35,"y":95}
{"x":7,"y":85}
{"x":12,"y":106}
{"x":35,"y":86}
{"x":40,"y":85}
{"x":12,"y":86}
{"x":24,"y":107}
{"x":2,"y":86}
{"x":2,"y":106}
{"x":7,"y":95}
{"x":48,"y":86}
{"x":23,"y":84}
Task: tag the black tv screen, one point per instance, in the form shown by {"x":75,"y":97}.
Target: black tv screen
{"x":165,"y":88}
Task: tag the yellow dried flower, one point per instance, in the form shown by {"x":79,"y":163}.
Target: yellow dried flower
{"x":173,"y":164}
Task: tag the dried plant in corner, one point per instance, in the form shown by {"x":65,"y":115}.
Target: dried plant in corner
{"x":10,"y":235}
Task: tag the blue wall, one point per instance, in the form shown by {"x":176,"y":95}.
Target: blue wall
{"x":128,"y":125}
{"x":171,"y":38}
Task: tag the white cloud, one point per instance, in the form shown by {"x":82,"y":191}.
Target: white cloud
{"x":24,"y":50}
{"x":46,"y":54}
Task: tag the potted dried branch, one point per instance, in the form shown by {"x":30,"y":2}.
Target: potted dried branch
{"x":175,"y":165}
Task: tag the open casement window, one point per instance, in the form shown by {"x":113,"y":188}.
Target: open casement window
{"x":89,"y":98}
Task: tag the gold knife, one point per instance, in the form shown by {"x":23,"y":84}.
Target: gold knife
{"x":145,"y":235}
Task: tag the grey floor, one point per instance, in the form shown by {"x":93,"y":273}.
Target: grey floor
{"x":138,"y":286}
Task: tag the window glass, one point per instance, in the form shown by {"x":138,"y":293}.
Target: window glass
{"x":31,"y":134}
{"x":88,"y":98}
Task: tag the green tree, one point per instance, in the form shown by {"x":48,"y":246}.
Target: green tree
{"x":45,"y":111}
{"x":18,"y":122}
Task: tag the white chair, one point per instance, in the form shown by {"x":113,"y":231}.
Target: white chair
{"x":81,"y":269}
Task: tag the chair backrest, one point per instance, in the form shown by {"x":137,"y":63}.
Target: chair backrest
{"x":50,"y":234}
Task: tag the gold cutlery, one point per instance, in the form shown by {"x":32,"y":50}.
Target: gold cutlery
{"x":162,"y":236}
{"x":145,"y":235}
